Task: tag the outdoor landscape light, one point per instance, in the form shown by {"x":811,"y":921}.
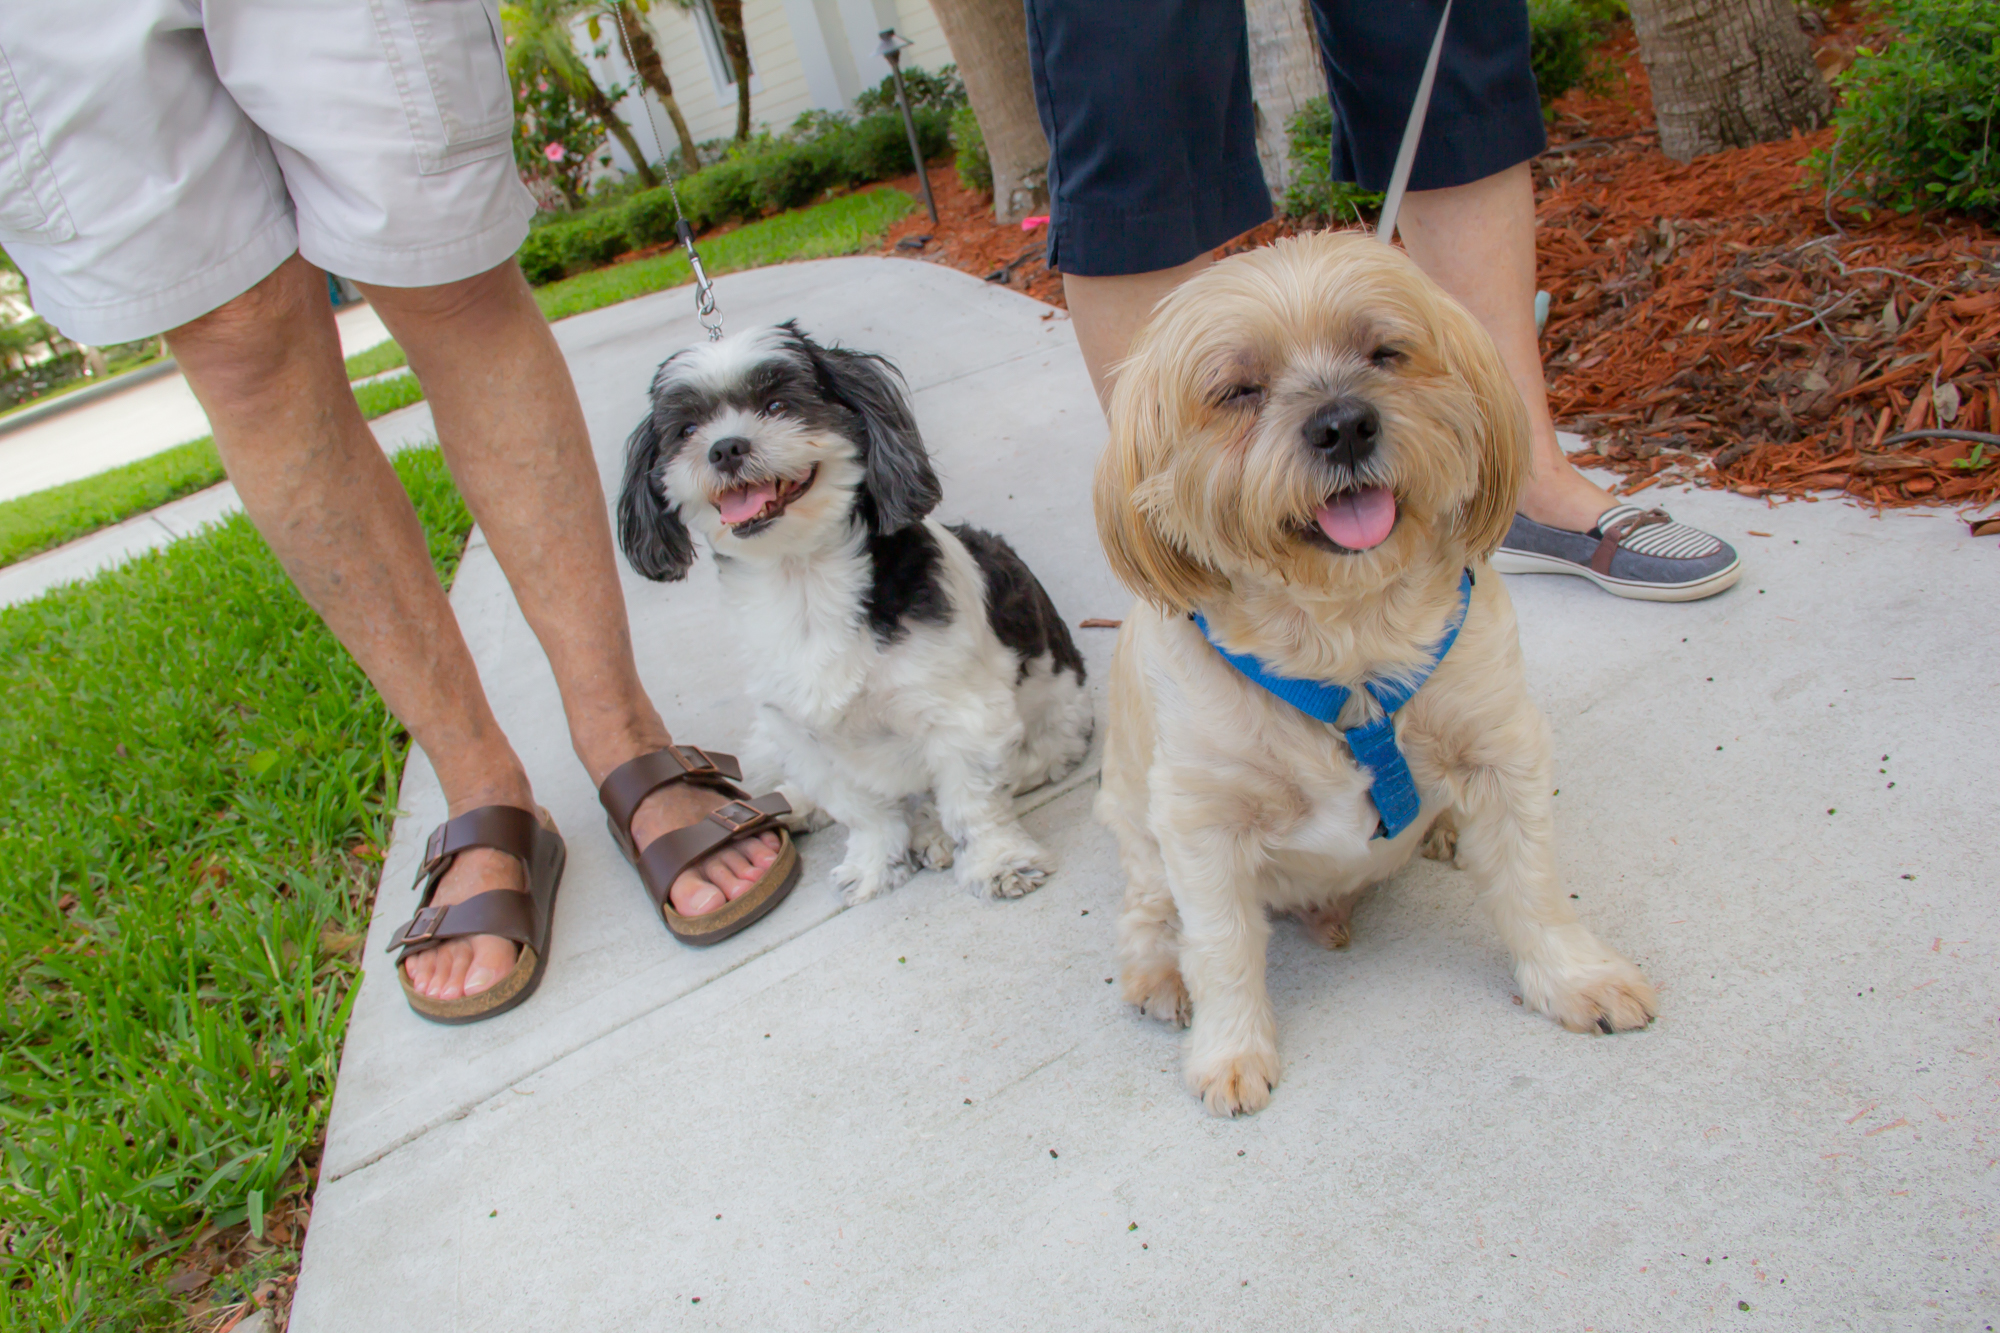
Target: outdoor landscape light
{"x":890,"y":48}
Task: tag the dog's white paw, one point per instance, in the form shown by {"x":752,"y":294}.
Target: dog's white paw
{"x":1330,"y":925}
{"x":1005,"y":863}
{"x":1609,"y":996}
{"x":1233,"y":1082}
{"x":858,"y":883}
{"x":1159,"y":992}
{"x":1441,"y":841}
{"x":806,"y":816}
{"x":931,"y":847}
{"x":1011,"y":878}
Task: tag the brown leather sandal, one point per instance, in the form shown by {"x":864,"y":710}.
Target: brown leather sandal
{"x":521,"y":917}
{"x":664,"y":858}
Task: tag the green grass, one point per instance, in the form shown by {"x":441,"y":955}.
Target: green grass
{"x":195,"y":779}
{"x":838,"y":227}
{"x":384,"y":355}
{"x":47,"y":519}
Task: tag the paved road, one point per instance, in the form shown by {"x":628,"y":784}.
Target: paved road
{"x":128,"y":426}
{"x":931,"y":1112}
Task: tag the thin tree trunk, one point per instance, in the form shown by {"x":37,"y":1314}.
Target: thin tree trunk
{"x":736,"y":45}
{"x":989,"y":40}
{"x":1285,"y":74}
{"x":1727,"y":73}
{"x":646,"y":60}
{"x":600,"y":108}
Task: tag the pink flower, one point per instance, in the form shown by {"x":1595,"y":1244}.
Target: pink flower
{"x":1029,"y":224}
{"x":554,"y":152}
{"x":543,"y":86}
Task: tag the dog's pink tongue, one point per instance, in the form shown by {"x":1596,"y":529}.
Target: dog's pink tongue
{"x":1359,"y":519}
{"x":746,"y":502}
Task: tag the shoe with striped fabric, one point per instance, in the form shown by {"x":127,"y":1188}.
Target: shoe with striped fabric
{"x":1632,"y":552}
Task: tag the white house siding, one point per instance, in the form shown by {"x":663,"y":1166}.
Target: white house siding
{"x":804,"y":55}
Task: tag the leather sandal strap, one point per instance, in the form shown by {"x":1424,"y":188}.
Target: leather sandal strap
{"x":501,"y":912}
{"x":504,"y":828}
{"x":1615,"y":534}
{"x":633,"y":781}
{"x":663,"y":860}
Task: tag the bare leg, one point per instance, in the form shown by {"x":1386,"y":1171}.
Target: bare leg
{"x":1109,"y":312}
{"x":268,"y":372}
{"x":1478,"y":242}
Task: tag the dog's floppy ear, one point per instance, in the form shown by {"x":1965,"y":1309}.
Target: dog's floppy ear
{"x":650,"y":530}
{"x":1503,"y":446}
{"x":1144,"y":560}
{"x":897,"y":479}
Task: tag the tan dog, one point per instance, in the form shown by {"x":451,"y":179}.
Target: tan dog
{"x":1309,"y":445}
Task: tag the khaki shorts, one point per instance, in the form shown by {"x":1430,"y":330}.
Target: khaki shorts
{"x":158,"y":157}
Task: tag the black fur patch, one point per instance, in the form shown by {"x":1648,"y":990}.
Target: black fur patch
{"x":908,"y":582}
{"x":1017,"y":606}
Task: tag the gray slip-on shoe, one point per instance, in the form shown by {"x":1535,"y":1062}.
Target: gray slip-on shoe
{"x":1632,"y":552}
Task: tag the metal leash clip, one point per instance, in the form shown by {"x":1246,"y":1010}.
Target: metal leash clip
{"x":704,"y":290}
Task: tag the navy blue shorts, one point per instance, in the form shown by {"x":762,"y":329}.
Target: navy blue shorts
{"x":1152,"y":141}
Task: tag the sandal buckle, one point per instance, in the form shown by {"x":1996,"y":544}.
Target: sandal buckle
{"x":703,"y":765}
{"x":425,"y":925}
{"x":736,"y":816}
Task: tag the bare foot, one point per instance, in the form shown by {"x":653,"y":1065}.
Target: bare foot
{"x":727,"y":874}
{"x":1558,"y":496}
{"x":471,"y":963}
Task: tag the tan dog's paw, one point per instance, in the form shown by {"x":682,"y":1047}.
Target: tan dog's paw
{"x":1441,"y":842}
{"x":1234,"y":1083}
{"x":1329,"y":927}
{"x":1159,"y":992}
{"x":1617,"y":998}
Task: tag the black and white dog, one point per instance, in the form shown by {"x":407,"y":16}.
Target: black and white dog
{"x":889,"y":656}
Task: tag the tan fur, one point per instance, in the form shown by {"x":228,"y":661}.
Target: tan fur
{"x":1228,"y":804}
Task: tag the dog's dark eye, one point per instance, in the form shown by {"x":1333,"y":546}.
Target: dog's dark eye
{"x":1241,"y":395}
{"x":1385,"y":356}
{"x":688,"y":430}
{"x":776,"y":408}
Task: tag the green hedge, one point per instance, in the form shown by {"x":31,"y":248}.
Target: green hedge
{"x":766,"y":175}
{"x":975,"y":168}
{"x":1920,"y":124}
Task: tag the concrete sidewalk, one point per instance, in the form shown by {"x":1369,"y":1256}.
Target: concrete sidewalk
{"x":1777,"y":801}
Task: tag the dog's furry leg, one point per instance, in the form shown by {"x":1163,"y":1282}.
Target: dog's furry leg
{"x":1149,"y":929}
{"x":878,"y":843}
{"x":1330,"y":925}
{"x":930,"y":846}
{"x":1231,"y":1061}
{"x":1441,"y":840}
{"x":764,"y":765}
{"x":1504,"y":827}
{"x":972,"y":777}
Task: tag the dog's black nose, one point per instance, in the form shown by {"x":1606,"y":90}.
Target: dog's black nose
{"x":1345,"y":430}
{"x":727,"y":454}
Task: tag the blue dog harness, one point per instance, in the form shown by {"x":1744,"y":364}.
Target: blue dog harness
{"x":1391,"y":787}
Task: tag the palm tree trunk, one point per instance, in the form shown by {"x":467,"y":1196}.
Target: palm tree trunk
{"x":735,"y":45}
{"x":989,"y":40}
{"x":1727,"y":73}
{"x":600,"y":108}
{"x":646,"y":60}
{"x":1285,"y":74}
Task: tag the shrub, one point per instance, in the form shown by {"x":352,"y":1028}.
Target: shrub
{"x":1313,"y":191}
{"x":540,"y":256}
{"x":593,"y":239}
{"x":975,"y":169}
{"x":943,"y":91}
{"x":649,"y":216}
{"x":1920,"y":121}
{"x":786,"y":175}
{"x":876,"y":147}
{"x":1562,"y":37}
{"x":719,"y":193}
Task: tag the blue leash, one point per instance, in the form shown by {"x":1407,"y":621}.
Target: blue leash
{"x":1391,"y":787}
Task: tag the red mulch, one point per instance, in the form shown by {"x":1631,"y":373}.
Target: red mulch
{"x":1711,"y":325}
